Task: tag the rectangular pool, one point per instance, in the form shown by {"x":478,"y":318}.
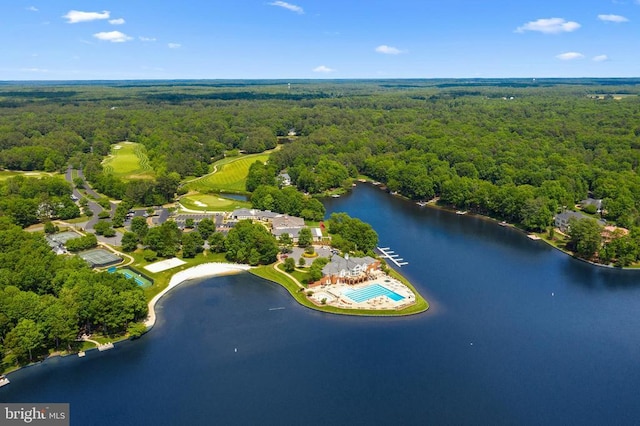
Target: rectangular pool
{"x":371,"y":291}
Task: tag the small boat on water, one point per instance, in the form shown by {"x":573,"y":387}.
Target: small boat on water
{"x":503,"y":223}
{"x":4,"y":381}
{"x":421,"y":203}
{"x":335,"y":195}
{"x":461,"y":212}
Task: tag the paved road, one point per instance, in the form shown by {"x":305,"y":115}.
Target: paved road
{"x":68,"y":177}
{"x":162,"y":213}
{"x":93,"y":206}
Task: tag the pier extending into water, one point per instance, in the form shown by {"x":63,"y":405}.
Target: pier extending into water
{"x":387,"y":253}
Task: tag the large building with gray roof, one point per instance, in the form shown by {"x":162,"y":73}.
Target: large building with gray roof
{"x":349,"y":270}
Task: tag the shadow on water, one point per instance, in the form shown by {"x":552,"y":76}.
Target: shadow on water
{"x":594,"y":277}
{"x":519,"y":334}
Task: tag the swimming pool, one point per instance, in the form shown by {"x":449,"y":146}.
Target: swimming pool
{"x":371,"y":291}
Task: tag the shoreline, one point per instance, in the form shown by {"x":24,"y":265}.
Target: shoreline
{"x":213,"y":269}
{"x":301,"y":298}
{"x":512,"y":226}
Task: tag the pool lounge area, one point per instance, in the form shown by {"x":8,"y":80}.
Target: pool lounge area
{"x":380,"y":293}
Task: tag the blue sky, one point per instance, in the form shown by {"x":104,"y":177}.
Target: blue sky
{"x":154,"y":39}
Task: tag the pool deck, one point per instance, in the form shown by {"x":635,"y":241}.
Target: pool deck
{"x":334,"y":295}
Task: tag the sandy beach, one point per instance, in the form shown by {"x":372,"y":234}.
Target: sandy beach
{"x":200,"y":271}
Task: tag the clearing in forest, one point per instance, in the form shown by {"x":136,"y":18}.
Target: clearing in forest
{"x":128,"y":160}
{"x":6,"y":174}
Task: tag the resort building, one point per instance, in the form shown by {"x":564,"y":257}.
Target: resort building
{"x":293,"y":233}
{"x":280,"y":223}
{"x":348,"y":270}
{"x":284,"y":221}
{"x":254,"y":214}
{"x":181,"y":219}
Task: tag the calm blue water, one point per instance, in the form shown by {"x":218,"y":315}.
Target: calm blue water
{"x":496,"y":347}
{"x":371,"y":291}
{"x":239,"y":197}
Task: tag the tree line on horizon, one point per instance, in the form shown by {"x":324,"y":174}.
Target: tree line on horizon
{"x":514,"y":150}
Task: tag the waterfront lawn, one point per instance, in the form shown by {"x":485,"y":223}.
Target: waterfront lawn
{"x":300,"y":275}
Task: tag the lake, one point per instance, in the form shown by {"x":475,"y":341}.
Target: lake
{"x":517,"y":333}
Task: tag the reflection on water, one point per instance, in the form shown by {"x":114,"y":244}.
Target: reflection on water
{"x":519,"y":334}
{"x":239,"y":197}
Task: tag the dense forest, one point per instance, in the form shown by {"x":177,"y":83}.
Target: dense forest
{"x":47,"y":301}
{"x":518,"y":150}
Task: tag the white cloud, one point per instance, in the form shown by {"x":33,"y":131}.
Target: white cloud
{"x":568,"y":56}
{"x":549,"y":26}
{"x":118,"y":21}
{"x":288,"y":6}
{"x":34,"y":70}
{"x":112,"y":36}
{"x":323,"y":69}
{"x":388,"y":50}
{"x":75,"y":16}
{"x":612,"y":18}
{"x":174,"y":45}
{"x":147,"y":38}
{"x":600,"y":58}
{"x":32,"y":9}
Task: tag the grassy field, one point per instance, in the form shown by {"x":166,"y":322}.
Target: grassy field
{"x":128,"y":160}
{"x":6,"y":174}
{"x":229,"y":175}
{"x":206,"y":202}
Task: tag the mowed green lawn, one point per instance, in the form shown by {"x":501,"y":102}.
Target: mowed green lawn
{"x":230,"y":175}
{"x":205,"y":202}
{"x":128,"y":160}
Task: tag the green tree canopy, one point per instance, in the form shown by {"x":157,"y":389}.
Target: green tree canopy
{"x":249,"y":242}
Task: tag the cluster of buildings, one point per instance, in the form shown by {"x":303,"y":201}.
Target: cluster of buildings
{"x":562,"y":220}
{"x":348,"y":270}
{"x":278,"y":223}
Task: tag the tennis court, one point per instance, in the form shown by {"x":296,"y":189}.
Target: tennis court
{"x":99,"y":258}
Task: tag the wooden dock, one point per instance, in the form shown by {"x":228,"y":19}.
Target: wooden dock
{"x":387,"y":253}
